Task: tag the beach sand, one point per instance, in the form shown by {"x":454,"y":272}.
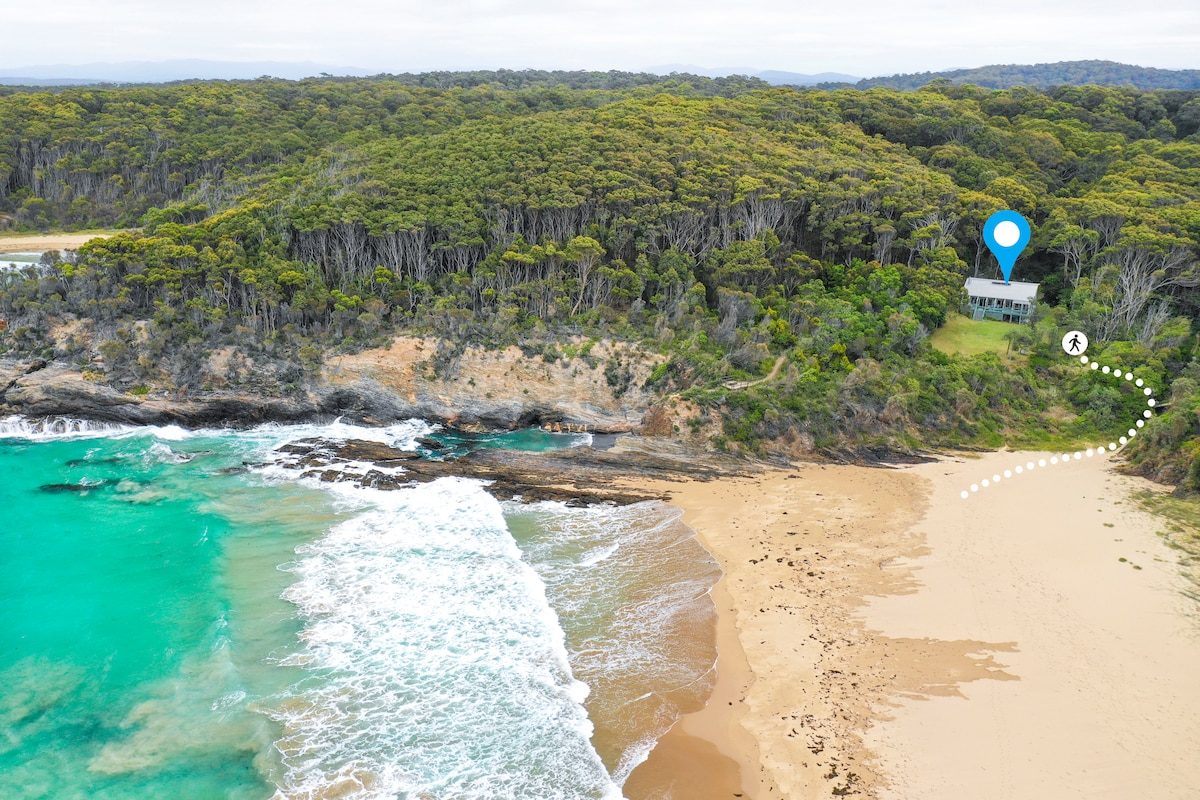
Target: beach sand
{"x":58,"y":241}
{"x":1064,"y":567}
{"x":882,"y":637}
{"x":796,"y":674}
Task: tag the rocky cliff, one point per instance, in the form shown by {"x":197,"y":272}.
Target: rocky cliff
{"x":600,"y":392}
{"x":469,"y":387}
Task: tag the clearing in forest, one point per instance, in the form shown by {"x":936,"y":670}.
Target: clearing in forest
{"x":969,"y":337}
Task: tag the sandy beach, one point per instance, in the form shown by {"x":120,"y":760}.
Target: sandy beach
{"x":57,"y":241}
{"x":882,"y":637}
{"x":1065,"y":570}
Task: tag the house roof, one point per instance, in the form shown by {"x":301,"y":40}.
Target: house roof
{"x":1014,"y":290}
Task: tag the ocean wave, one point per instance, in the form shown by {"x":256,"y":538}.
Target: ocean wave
{"x":401,"y":434}
{"x":438,"y":668}
{"x":632,"y":586}
{"x":170,"y":433}
{"x":19,"y":427}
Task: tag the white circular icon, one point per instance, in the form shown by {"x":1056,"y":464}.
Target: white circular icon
{"x":1074,"y":343}
{"x":1006,"y":233}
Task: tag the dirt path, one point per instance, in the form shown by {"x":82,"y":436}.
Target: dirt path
{"x":770,"y":376}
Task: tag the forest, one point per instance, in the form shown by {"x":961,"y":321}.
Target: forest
{"x":1062,"y":73}
{"x":721,"y":223}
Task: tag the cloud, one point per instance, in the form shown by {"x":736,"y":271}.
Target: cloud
{"x":868,"y":37}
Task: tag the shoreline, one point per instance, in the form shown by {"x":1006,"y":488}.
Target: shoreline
{"x":880,"y":637}
{"x":789,"y":697}
{"x":707,"y":753}
{"x":39,"y":388}
{"x":843,"y":668}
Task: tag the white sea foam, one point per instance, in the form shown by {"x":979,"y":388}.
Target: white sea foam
{"x":159,"y":453}
{"x":19,"y":427}
{"x":171,"y":433}
{"x":401,"y":434}
{"x":268,"y":436}
{"x":438,"y":667}
{"x":632,"y":586}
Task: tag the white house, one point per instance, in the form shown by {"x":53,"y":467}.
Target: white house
{"x":1008,"y":302}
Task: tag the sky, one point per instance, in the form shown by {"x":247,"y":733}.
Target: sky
{"x":859,"y":37}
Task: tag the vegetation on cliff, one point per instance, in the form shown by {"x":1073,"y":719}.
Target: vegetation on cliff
{"x":720,"y":224}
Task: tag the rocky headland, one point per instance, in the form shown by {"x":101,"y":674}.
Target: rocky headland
{"x":577,"y":476}
{"x":471,"y":388}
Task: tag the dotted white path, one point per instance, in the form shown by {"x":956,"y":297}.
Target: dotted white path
{"x":1078,"y":455}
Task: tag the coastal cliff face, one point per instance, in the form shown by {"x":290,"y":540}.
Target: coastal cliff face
{"x":600,"y":392}
{"x":53,"y":389}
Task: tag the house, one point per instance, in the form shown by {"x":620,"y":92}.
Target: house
{"x":1007,"y":302}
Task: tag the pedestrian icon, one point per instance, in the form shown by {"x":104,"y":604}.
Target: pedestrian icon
{"x":1074,"y":343}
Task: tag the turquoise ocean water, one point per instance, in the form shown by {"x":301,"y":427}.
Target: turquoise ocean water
{"x":174,"y":624}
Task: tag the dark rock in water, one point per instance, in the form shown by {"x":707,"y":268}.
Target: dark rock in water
{"x":377,"y":452}
{"x":302,"y":446}
{"x":58,"y":488}
{"x":88,"y":462}
{"x":322,"y":452}
{"x":576,"y":476}
{"x":429,"y":443}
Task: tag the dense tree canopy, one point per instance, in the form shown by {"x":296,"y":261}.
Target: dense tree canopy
{"x":723,"y":223}
{"x":1079,"y":73}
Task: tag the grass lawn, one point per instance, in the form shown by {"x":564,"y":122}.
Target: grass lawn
{"x":967,"y":337}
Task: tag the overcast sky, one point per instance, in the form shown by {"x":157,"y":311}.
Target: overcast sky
{"x":860,"y":37}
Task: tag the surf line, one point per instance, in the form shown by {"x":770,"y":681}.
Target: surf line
{"x":1078,"y":455}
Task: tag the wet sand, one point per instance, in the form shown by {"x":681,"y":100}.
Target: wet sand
{"x":882,"y":637}
{"x":58,"y":241}
{"x":796,"y":674}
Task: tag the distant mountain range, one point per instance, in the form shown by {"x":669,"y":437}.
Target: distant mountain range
{"x":778,"y":78}
{"x":999,"y":76}
{"x":771,"y":76}
{"x":166,"y":71}
{"x":1074,"y":73}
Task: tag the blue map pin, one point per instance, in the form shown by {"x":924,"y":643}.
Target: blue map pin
{"x":1006,"y":233}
